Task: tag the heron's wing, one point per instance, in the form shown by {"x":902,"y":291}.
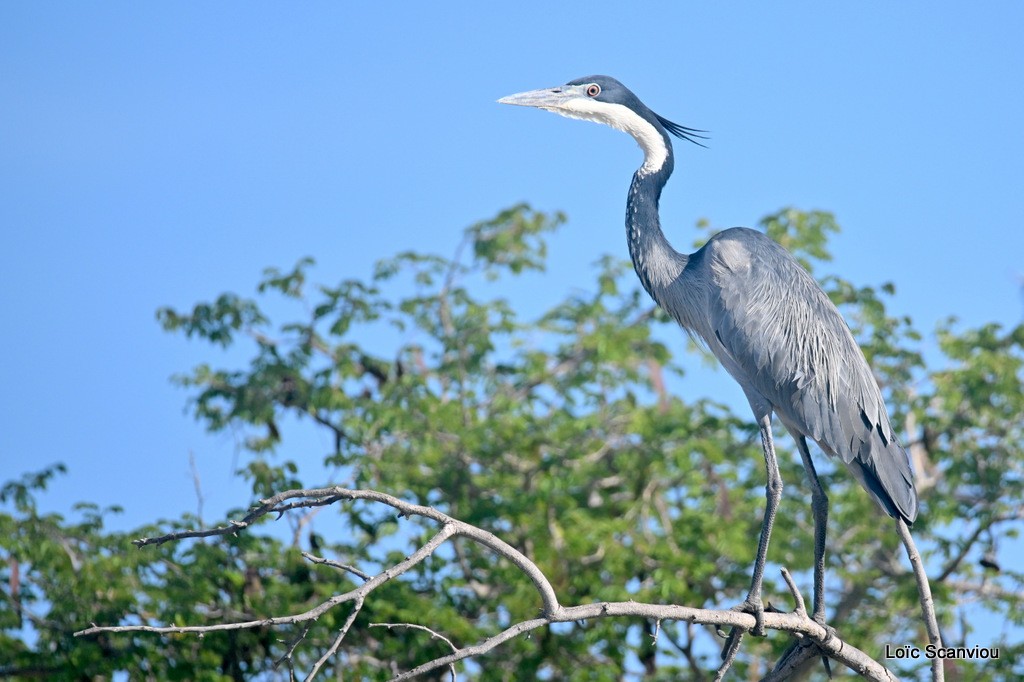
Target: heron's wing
{"x":785,"y":340}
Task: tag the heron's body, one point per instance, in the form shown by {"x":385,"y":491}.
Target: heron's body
{"x":774,"y":330}
{"x":764,"y":318}
{"x":777,"y":333}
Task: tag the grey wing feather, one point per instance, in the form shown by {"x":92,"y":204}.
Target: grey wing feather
{"x":785,"y":340}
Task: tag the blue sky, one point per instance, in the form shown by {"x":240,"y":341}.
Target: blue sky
{"x":157,"y":155}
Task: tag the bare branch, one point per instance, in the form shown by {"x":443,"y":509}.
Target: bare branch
{"x":732,"y":649}
{"x":925,"y":591}
{"x":986,"y":589}
{"x":841,"y":651}
{"x":358,"y":594}
{"x":337,"y":641}
{"x":291,"y":647}
{"x":334,"y":564}
{"x":433,"y":635}
{"x":802,"y":650}
{"x":820,"y":640}
{"x":966,"y":547}
{"x":314,"y":497}
{"x":794,"y":657}
{"x":801,"y":608}
{"x":969,"y":543}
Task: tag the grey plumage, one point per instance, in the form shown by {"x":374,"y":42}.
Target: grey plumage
{"x":778,"y":334}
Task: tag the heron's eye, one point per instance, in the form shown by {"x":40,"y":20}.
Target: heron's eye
{"x":593,"y":90}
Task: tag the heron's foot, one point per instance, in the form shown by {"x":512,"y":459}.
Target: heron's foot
{"x":755,"y":607}
{"x":830,"y":632}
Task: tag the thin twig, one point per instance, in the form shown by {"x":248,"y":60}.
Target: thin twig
{"x":357,"y":594}
{"x":801,"y":608}
{"x":334,"y":564}
{"x":337,"y":640}
{"x":968,"y":544}
{"x":287,"y":656}
{"x":986,"y":589}
{"x":433,"y":635}
{"x":729,"y":655}
{"x":801,"y":651}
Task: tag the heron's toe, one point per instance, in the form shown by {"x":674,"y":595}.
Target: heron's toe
{"x":830,"y":632}
{"x":755,"y":607}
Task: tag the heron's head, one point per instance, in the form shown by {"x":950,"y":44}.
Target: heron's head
{"x":603,"y":99}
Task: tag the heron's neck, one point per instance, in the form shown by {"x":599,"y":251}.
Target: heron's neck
{"x":656,"y":263}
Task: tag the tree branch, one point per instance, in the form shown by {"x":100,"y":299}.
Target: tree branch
{"x":433,"y":635}
{"x":798,"y":623}
{"x":337,"y":641}
{"x":358,"y":595}
{"x":925,"y":591}
{"x":986,"y":589}
{"x":954,"y":563}
{"x":334,"y":564}
{"x":845,"y":653}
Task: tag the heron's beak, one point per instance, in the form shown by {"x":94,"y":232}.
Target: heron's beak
{"x":552,"y":99}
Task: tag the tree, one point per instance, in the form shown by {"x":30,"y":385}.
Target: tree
{"x":558,"y":435}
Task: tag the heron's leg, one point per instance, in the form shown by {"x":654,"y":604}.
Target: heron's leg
{"x":819,"y":506}
{"x":773,"y":493}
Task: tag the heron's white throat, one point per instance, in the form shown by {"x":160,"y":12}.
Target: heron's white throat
{"x":625,"y":119}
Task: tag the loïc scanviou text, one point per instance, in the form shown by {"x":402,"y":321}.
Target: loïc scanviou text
{"x":932,"y":651}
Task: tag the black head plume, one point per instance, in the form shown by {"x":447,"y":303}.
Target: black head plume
{"x":689,"y":134}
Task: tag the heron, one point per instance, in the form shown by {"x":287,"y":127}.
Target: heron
{"x":764,"y":317}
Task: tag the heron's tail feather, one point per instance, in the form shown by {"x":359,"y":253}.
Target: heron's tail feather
{"x":882,"y":466}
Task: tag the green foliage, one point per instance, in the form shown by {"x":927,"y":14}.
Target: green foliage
{"x":215,"y":321}
{"x":63,"y":575}
{"x":803,"y":233}
{"x":560,"y":435}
